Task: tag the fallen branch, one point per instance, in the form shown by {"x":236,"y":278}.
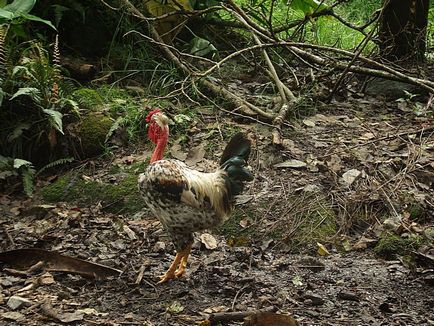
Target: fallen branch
{"x":57,"y":263}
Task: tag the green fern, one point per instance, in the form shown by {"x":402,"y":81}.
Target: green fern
{"x":28,"y":175}
{"x":3,"y":32}
{"x":10,"y":167}
{"x":55,"y":163}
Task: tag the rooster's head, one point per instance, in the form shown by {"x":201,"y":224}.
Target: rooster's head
{"x":158,"y":129}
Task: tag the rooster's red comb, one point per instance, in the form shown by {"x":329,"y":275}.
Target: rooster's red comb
{"x":150,"y":114}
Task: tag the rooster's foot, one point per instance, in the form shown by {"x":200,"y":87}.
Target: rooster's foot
{"x":177,"y":268}
{"x":166,"y":277}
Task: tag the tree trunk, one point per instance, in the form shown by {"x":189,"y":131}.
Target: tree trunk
{"x":402,"y":31}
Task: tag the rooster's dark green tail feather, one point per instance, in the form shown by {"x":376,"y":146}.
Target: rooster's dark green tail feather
{"x":234,"y":162}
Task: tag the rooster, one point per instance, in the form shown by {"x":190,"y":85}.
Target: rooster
{"x":185,"y":200}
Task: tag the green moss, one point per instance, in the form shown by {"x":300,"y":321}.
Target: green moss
{"x":93,"y":132}
{"x":392,"y":245}
{"x":120,"y":197}
{"x":56,"y":191}
{"x":88,"y":99}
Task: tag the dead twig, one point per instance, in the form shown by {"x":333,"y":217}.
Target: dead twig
{"x":236,"y":296}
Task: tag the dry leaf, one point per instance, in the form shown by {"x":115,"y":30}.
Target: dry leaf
{"x":244,"y":222}
{"x":175,"y":307}
{"x":208,"y":240}
{"x":364,"y":243}
{"x":322,"y":250}
{"x":13,"y":315}
{"x":295,"y":164}
{"x":176,"y":152}
{"x":309,"y":123}
{"x":195,"y":155}
{"x":131,"y":234}
{"x":367,"y":136}
{"x":296,"y":280}
{"x":46,"y":279}
{"x":334,"y":163}
{"x":350,"y":176}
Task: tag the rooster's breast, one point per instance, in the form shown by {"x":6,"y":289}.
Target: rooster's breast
{"x":163,"y":186}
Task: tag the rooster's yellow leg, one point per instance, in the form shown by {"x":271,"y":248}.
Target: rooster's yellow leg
{"x":174,"y":268}
{"x":181,"y":268}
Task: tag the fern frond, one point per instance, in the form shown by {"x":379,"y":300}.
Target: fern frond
{"x":3,"y":32}
{"x":115,"y":126}
{"x":55,"y":163}
{"x":56,"y":71}
{"x":28,"y":175}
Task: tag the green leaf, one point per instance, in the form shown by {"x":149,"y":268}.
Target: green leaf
{"x":3,"y":3}
{"x":202,"y":47}
{"x":19,"y":163}
{"x":59,"y":11}
{"x":2,"y":96}
{"x":20,"y":6}
{"x":5,"y":15}
{"x":38,"y":19}
{"x":308,"y":6}
{"x":21,"y":69}
{"x":28,"y":180}
{"x":18,"y":131}
{"x":55,"y":163}
{"x":55,"y":118}
{"x":30,"y":91}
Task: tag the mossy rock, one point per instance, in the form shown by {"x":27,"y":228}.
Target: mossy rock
{"x":122,"y":197}
{"x":92,"y":133}
{"x":392,"y":245}
{"x":88,"y":99}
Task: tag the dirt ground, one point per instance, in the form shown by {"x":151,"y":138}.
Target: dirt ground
{"x":368,"y":161}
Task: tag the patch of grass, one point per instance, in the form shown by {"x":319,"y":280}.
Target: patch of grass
{"x":392,"y":245}
{"x":307,"y":218}
{"x":235,"y":234}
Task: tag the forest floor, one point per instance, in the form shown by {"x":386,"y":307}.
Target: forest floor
{"x":355,"y":177}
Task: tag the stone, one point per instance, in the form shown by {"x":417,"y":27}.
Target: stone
{"x":16,"y":302}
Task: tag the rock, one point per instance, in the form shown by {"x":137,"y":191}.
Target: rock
{"x":92,"y":132}
{"x":16,"y":302}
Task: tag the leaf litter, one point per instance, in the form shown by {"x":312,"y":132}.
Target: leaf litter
{"x":347,"y":286}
